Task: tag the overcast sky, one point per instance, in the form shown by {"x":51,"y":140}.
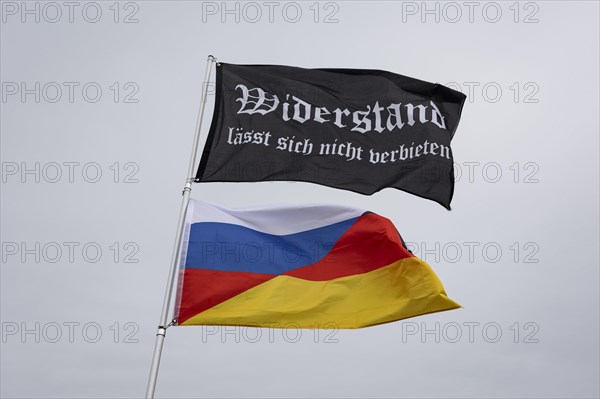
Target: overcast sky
{"x":99,"y":104}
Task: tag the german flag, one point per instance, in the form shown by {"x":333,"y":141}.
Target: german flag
{"x":311,"y":266}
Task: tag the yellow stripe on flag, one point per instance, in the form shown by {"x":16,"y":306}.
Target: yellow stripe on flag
{"x":403,"y":289}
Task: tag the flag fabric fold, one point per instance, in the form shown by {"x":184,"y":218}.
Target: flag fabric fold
{"x":352,"y":129}
{"x":310,"y":266}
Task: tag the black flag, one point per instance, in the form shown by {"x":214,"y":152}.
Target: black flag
{"x":358,"y":130}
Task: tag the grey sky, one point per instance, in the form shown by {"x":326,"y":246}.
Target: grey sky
{"x":519,"y":250}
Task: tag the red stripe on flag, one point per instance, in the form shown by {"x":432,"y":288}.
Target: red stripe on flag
{"x":370,"y":243}
{"x":203,"y":289}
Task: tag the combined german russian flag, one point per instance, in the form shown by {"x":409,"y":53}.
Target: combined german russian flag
{"x":310,"y":266}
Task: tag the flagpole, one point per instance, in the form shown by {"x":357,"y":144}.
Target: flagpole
{"x":187,"y":189}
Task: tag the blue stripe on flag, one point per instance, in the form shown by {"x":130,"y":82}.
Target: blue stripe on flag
{"x":233,"y":248}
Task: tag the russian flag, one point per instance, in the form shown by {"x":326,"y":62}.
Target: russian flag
{"x":309,"y":266}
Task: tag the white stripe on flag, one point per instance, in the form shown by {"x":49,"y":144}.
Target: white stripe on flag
{"x":278,"y":220}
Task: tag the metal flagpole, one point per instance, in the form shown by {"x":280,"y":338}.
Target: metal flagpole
{"x":187,"y":189}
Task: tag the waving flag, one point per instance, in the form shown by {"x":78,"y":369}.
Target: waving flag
{"x":304,"y":267}
{"x":358,"y":130}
